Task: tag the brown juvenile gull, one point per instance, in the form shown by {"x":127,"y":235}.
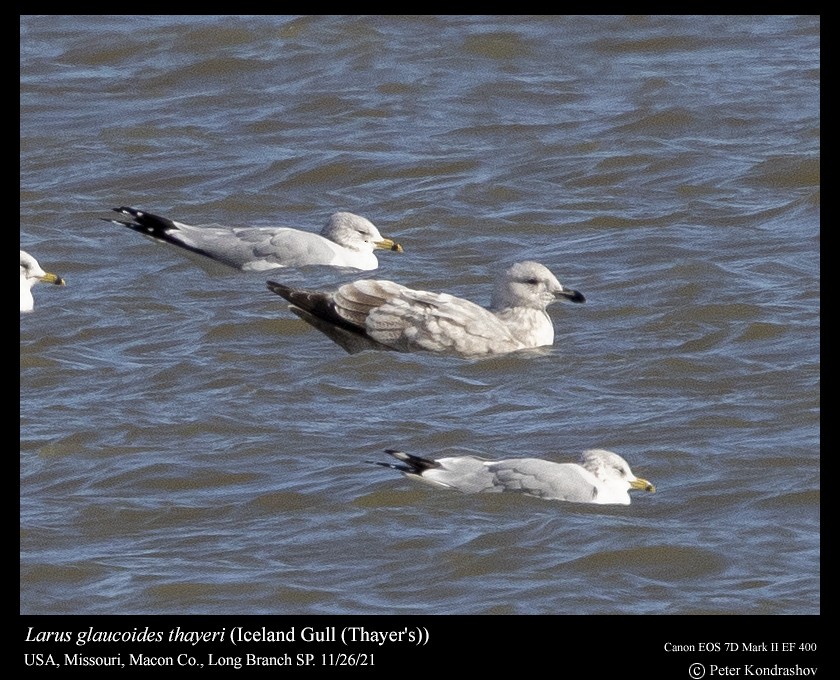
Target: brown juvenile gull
{"x":347,"y":240}
{"x":30,"y":274}
{"x":602,"y":477}
{"x":377,"y":314}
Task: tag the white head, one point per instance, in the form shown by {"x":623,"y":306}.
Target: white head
{"x":356,"y":233}
{"x":614,"y":472}
{"x":30,"y":274}
{"x":530,"y":284}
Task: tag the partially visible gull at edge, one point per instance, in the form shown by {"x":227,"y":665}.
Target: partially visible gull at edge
{"x":30,"y":274}
{"x":378,"y":314}
{"x":602,"y":477}
{"x":347,"y":240}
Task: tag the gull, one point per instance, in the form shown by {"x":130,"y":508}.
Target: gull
{"x":347,"y":240}
{"x":30,"y":274}
{"x":378,"y":314}
{"x":602,"y":477}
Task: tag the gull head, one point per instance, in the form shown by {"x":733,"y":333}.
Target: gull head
{"x":612,"y":469}
{"x":530,"y":284}
{"x":357,"y":233}
{"x":30,"y":274}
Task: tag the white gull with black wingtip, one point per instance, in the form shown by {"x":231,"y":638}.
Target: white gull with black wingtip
{"x":347,"y":240}
{"x":602,"y":477}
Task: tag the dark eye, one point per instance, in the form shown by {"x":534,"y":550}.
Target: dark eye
{"x":532,"y":282}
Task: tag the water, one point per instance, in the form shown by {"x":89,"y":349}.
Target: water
{"x":188,"y":446}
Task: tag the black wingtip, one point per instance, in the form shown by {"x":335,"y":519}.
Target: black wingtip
{"x":124,"y":210}
{"x":380,"y":463}
{"x":152,"y":225}
{"x":318,"y":310}
{"x":279,"y":289}
{"x":412,"y":464}
{"x":399,"y":467}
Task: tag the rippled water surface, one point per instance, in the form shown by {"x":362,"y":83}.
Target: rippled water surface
{"x":188,"y":446}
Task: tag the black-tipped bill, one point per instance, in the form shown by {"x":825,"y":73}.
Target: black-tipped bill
{"x":572,"y":295}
